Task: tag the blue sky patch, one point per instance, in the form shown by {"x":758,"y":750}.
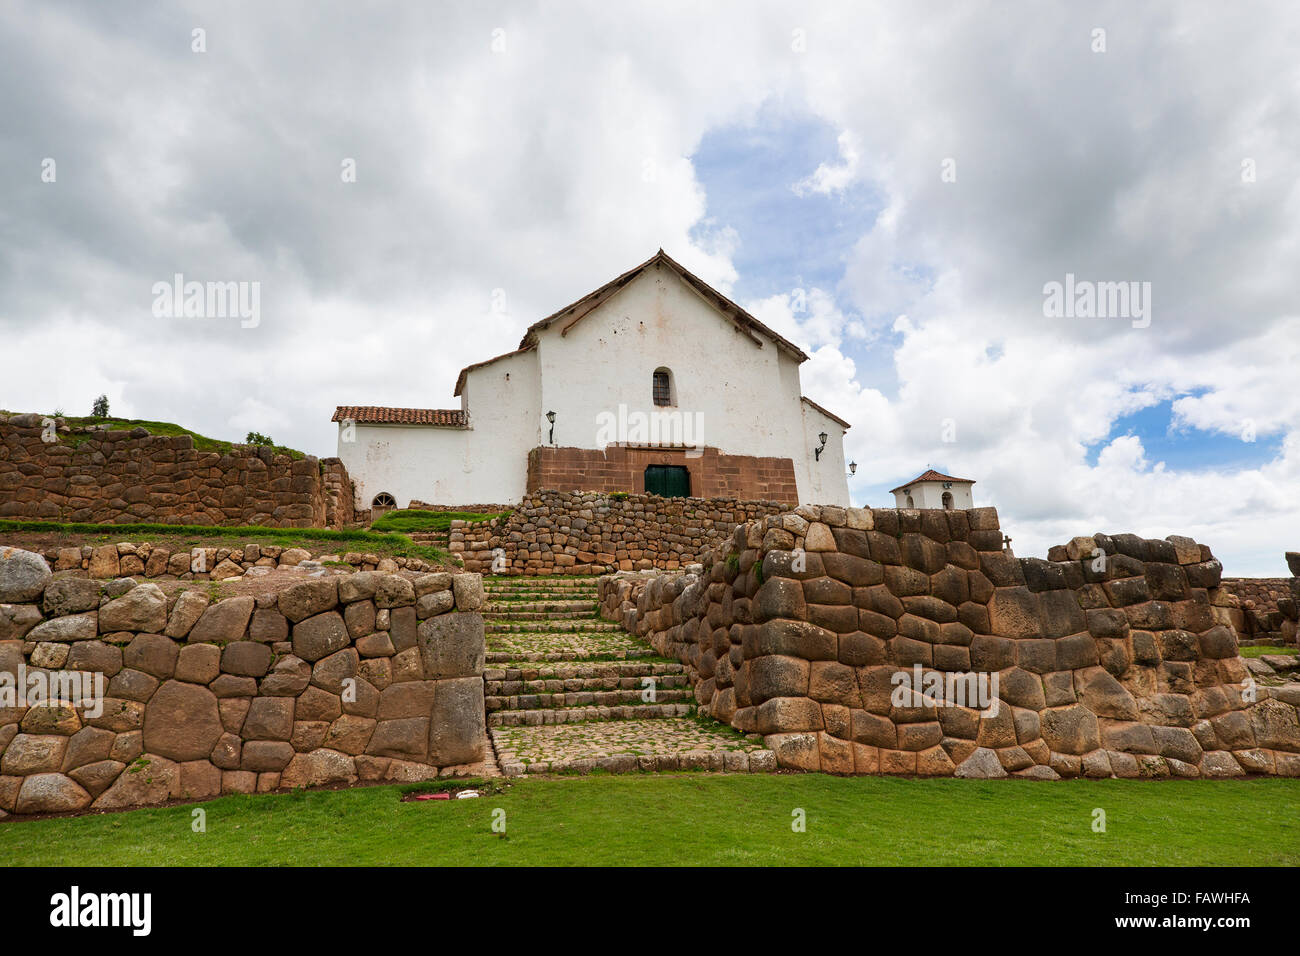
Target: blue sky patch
{"x":1188,"y":449}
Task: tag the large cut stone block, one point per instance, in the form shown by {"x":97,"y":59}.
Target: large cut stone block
{"x":452,"y":645}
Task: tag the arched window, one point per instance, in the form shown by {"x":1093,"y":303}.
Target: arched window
{"x":947,"y":501}
{"x":382,"y":504}
{"x":663,"y":387}
{"x":910,"y":502}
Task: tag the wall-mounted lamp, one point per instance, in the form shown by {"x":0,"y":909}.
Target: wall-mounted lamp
{"x":550,"y":417}
{"x":853,"y":468}
{"x":817,"y":452}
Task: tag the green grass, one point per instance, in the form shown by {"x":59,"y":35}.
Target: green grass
{"x":1255,"y":650}
{"x":201,"y":442}
{"x":703,"y":819}
{"x":408,"y":520}
{"x":396,"y":545}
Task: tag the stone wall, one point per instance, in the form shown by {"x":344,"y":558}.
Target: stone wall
{"x":120,"y":477}
{"x":802,"y":626}
{"x":337,"y":679}
{"x":152,"y":560}
{"x":554,"y":532}
{"x":622,"y":468}
{"x":1268,"y":608}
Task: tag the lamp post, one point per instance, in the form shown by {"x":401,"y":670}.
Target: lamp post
{"x":853,"y":469}
{"x":550,"y":417}
{"x":817,"y":452}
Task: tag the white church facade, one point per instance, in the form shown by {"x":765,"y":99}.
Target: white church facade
{"x":654,"y":382}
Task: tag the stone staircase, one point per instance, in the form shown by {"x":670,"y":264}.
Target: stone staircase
{"x":568,"y":691}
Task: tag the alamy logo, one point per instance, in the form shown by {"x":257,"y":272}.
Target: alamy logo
{"x":74,"y":909}
{"x":671,"y":428}
{"x":1085,"y":299}
{"x":179,"y":299}
{"x":917,"y":688}
{"x":38,"y":687}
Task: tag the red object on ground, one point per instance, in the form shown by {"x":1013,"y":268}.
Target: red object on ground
{"x":433,"y":796}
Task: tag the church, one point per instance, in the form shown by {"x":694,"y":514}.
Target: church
{"x":655,"y":382}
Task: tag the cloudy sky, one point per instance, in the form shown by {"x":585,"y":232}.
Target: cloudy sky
{"x":890,"y":185}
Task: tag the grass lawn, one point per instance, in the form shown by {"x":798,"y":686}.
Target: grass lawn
{"x":407,"y":520}
{"x":1256,"y":650}
{"x":706,"y":819}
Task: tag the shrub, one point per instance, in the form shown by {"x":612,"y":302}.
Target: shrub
{"x":100,"y":409}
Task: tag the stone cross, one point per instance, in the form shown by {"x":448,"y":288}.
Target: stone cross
{"x":1006,"y":543}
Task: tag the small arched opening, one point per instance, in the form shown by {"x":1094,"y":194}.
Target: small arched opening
{"x":381,"y":505}
{"x":662,"y":387}
{"x":947,"y":501}
{"x":910,"y":502}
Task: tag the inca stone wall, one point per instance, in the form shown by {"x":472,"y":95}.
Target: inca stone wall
{"x":116,"y":694}
{"x":1268,"y":608}
{"x":103,"y":476}
{"x":555,"y":532}
{"x":153,"y":560}
{"x":799,"y":627}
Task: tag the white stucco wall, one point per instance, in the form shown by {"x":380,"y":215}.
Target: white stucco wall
{"x":483,"y":464}
{"x":929,"y":494}
{"x":730,"y":393}
{"x":821,"y":481}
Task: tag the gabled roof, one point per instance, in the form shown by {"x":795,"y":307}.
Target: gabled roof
{"x":572,"y":314}
{"x":381,"y":415}
{"x":931,"y":475}
{"x":460,"y":379}
{"x":831,"y":415}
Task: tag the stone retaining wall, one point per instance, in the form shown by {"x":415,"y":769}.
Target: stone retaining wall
{"x":338,"y":679}
{"x":554,"y":532}
{"x":1268,"y":608}
{"x":801,"y":627}
{"x":149,"y":560}
{"x":121,"y":477}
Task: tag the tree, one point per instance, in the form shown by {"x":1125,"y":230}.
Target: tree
{"x":101,"y":407}
{"x":257,"y":438}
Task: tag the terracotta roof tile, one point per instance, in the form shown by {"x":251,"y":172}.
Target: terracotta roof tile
{"x":380,"y":415}
{"x":930,"y":475}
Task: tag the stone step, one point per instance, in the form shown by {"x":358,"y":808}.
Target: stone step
{"x":516,"y":658}
{"x":608,"y":669}
{"x":524,"y":581}
{"x":547,"y":628}
{"x":572,"y":715}
{"x":543,"y":597}
{"x":621,"y":746}
{"x":580,"y":612}
{"x":549,"y":687}
{"x":587,"y":698}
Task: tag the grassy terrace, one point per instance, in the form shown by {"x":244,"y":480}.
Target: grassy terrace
{"x":201,"y":442}
{"x":702,"y":819}
{"x":406,"y":520}
{"x":1257,"y":650}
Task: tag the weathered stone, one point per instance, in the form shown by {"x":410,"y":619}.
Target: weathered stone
{"x":189,"y":607}
{"x":23,"y":576}
{"x":224,"y":621}
{"x":319,"y":636}
{"x":457,"y":733}
{"x":182,"y":721}
{"x":51,"y":793}
{"x":143,"y":608}
{"x":71,"y":596}
{"x":309,"y":598}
